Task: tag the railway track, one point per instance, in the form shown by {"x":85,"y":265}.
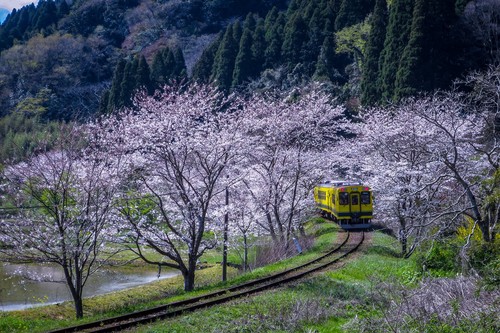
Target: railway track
{"x":349,"y":245}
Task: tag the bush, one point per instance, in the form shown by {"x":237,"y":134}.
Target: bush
{"x":440,"y":257}
{"x":485,"y":259}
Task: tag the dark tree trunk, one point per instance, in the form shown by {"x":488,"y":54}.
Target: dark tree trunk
{"x":189,"y":274}
{"x":245,"y":255}
{"x":78,"y":306}
{"x":485,"y":230}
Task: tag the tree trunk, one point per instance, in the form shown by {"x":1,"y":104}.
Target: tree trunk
{"x":78,"y":306}
{"x":485,"y":230}
{"x":404,"y":245}
{"x":189,"y":275}
{"x":75,"y":288}
{"x":245,"y":255}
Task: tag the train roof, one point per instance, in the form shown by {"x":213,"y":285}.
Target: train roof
{"x":338,"y":183}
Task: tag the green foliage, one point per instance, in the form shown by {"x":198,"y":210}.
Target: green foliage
{"x":244,"y":65}
{"x":440,"y":257}
{"x":370,"y":90}
{"x":115,"y":101}
{"x":222,"y":71}
{"x":352,"y":12}
{"x":426,"y":62}
{"x":35,"y":106}
{"x":398,"y":34}
{"x":353,"y":40}
{"x":25,"y":22}
{"x":202,"y":70}
{"x":258,"y":48}
{"x":21,"y":133}
{"x":485,"y":258}
{"x":135,"y":75}
{"x":295,"y":40}
{"x":274,"y":39}
{"x":329,"y":63}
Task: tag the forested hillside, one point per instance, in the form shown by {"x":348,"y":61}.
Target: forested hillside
{"x":65,"y":59}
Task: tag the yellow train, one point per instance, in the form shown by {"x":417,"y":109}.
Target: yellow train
{"x":346,"y":202}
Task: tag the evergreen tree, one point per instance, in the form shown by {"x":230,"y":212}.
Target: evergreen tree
{"x":258,"y":48}
{"x":63,"y":9}
{"x":370,"y":92}
{"x":114,"y":101}
{"x":224,"y":60}
{"x":316,"y":37}
{"x":128,"y":84}
{"x":170,"y":66}
{"x":426,"y":62}
{"x":274,"y":42}
{"x":202,"y":70}
{"x":352,"y":12}
{"x":158,"y":70}
{"x":180,"y":71}
{"x":325,"y":66}
{"x":243,"y":67}
{"x":408,"y":80}
{"x":271,"y":18}
{"x":295,"y":41}
{"x":249,"y":22}
{"x":308,"y":10}
{"x":293,"y":7}
{"x":24,"y":23}
{"x":142,"y":75}
{"x":397,"y":36}
{"x":237,"y":32}
{"x":46,"y":14}
{"x":104,"y":102}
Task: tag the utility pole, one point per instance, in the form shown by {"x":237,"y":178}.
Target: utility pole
{"x":224,"y":246}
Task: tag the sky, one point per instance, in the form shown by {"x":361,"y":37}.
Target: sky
{"x":11,"y":4}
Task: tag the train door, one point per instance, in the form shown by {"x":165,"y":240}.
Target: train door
{"x":355,"y":206}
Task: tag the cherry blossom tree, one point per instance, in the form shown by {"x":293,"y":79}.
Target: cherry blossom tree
{"x":178,"y":145}
{"x":427,"y":159}
{"x":287,"y":158}
{"x":461,"y":146}
{"x":485,"y":95}
{"x":65,"y":200}
{"x":391,"y":153}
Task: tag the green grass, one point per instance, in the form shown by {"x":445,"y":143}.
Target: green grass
{"x":324,"y":303}
{"x":55,"y":316}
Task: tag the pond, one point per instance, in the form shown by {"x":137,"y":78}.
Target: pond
{"x":19,"y":291}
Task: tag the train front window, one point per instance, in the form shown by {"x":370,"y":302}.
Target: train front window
{"x":365,"y":198}
{"x":354,"y":199}
{"x":344,"y":198}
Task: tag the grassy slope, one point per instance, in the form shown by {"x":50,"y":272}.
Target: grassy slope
{"x":323,"y":303}
{"x":54,"y":316}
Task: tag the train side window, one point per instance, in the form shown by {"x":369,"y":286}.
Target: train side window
{"x":333,"y":199}
{"x":344,"y":198}
{"x":365,"y":198}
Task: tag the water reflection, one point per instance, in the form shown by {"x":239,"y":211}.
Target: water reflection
{"x":18,"y":290}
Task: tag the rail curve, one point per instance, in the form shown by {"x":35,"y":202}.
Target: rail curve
{"x":177,"y":308}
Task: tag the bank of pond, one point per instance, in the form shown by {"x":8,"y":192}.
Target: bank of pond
{"x":29,"y":285}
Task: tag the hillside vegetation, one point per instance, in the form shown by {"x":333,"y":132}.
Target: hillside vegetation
{"x":69,"y":50}
{"x":173,"y":129}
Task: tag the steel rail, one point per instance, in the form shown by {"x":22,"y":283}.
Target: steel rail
{"x":218,"y":297}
